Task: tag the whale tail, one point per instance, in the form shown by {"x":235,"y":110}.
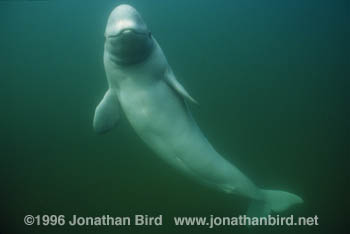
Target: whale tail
{"x":274,"y":200}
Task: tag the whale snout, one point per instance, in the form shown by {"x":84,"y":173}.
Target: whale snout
{"x":128,"y":39}
{"x":124,"y":18}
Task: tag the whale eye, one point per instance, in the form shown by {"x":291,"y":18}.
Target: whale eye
{"x":149,"y":34}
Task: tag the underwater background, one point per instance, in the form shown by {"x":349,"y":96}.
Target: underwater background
{"x":271,"y":78}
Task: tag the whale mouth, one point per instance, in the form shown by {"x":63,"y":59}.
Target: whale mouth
{"x":128,"y":31}
{"x":129,"y":45}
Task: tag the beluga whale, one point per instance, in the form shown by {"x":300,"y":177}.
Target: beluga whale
{"x":143,"y":86}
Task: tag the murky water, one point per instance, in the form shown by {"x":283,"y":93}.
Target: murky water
{"x":271,"y":80}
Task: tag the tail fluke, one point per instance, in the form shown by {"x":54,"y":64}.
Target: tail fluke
{"x":274,"y":200}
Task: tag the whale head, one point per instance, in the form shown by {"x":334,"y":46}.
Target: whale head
{"x":128,"y":40}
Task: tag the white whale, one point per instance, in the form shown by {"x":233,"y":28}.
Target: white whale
{"x":143,"y":86}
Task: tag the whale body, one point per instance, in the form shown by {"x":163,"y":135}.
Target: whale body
{"x":144,"y":87}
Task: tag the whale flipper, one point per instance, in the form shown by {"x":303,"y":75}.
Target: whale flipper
{"x":107,"y":113}
{"x":175,"y":84}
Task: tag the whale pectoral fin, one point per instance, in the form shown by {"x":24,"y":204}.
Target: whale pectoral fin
{"x":107,"y":113}
{"x":175,"y":84}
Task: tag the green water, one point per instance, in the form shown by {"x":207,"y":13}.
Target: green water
{"x":271,"y":80}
